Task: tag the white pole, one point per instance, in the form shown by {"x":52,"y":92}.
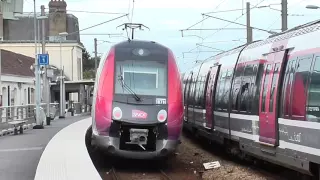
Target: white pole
{"x":38,"y":90}
{"x":62,"y":107}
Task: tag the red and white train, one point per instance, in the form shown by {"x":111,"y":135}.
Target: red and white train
{"x":137,"y":107}
{"x":262,"y":99}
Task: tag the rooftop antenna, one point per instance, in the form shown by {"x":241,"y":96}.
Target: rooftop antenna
{"x":133,"y":26}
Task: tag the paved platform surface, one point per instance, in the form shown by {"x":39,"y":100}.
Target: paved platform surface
{"x":66,"y":156}
{"x":20,"y":154}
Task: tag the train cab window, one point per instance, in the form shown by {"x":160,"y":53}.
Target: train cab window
{"x":273,"y":85}
{"x":265,"y":87}
{"x":145,"y":78}
{"x":313,"y":108}
{"x":299,"y":88}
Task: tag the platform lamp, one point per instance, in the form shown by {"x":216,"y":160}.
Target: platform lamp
{"x":61,"y":78}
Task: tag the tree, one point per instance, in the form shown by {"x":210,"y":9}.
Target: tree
{"x":88,"y":65}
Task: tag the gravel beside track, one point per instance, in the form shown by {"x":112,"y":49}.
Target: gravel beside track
{"x":187,"y":164}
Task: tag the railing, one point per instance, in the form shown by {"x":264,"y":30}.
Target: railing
{"x":24,"y":112}
{"x":27,"y":112}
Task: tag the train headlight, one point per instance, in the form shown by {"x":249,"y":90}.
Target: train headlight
{"x":162,"y":115}
{"x":117,"y":113}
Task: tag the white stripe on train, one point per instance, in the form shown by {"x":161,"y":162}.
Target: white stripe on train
{"x":282,"y":144}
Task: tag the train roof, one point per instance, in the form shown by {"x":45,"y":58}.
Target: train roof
{"x":295,"y":31}
{"x":140,"y":44}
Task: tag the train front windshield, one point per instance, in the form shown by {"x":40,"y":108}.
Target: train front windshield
{"x":142,"y":77}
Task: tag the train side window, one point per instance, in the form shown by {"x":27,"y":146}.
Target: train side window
{"x":191,"y":91}
{"x":256,"y":93}
{"x":273,"y":85}
{"x":187,"y":83}
{"x":225,"y":96}
{"x":299,"y":90}
{"x":252,"y":88}
{"x":203,"y":91}
{"x":236,"y":87}
{"x":245,"y":85}
{"x":284,"y":89}
{"x":313,"y":108}
{"x":219,"y":93}
{"x":206,"y":81}
{"x":197,"y":89}
{"x":287,"y":102}
{"x":265,"y":87}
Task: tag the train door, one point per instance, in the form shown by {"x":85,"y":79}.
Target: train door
{"x":210,"y":95}
{"x":269,"y":94}
{"x":186,"y":96}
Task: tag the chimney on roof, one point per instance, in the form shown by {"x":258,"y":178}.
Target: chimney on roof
{"x":57,"y":17}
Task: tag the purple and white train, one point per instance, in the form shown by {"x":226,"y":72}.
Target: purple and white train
{"x":262,"y":99}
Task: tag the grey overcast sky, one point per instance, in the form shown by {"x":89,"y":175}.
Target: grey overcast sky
{"x":166,"y":17}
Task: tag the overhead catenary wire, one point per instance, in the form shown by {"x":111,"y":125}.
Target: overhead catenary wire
{"x":233,"y":20}
{"x":276,"y":20}
{"x":203,"y":19}
{"x":99,"y":24}
{"x":240,"y":24}
{"x":81,"y":11}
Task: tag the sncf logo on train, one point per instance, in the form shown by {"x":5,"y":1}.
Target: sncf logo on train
{"x":139,"y":114}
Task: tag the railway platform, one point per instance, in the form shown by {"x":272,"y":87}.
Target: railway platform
{"x":20,"y":154}
{"x":66,"y":156}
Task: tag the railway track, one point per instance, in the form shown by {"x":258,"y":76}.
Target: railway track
{"x":113,"y":174}
{"x":164,"y":175}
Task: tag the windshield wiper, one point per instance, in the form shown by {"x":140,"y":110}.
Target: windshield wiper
{"x":124,"y":85}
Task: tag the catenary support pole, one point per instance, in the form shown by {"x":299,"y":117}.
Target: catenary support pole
{"x":62,"y":106}
{"x":95,"y":55}
{"x":284,"y":15}
{"x":249,"y":28}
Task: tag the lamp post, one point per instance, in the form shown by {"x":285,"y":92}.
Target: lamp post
{"x":37,"y":72}
{"x":62,"y":92}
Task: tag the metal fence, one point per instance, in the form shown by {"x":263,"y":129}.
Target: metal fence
{"x":24,"y":112}
{"x":28,"y":112}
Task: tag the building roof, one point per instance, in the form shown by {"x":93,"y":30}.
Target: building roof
{"x":16,"y":64}
{"x":23,"y":28}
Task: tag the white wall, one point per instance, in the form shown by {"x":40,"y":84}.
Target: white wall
{"x":71,"y":55}
{"x":18,"y":90}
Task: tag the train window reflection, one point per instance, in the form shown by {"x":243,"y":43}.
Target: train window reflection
{"x":273,"y":86}
{"x":265,"y":85}
{"x":284,"y":90}
{"x":300,"y":85}
{"x":313,"y":108}
{"x":146,"y":78}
